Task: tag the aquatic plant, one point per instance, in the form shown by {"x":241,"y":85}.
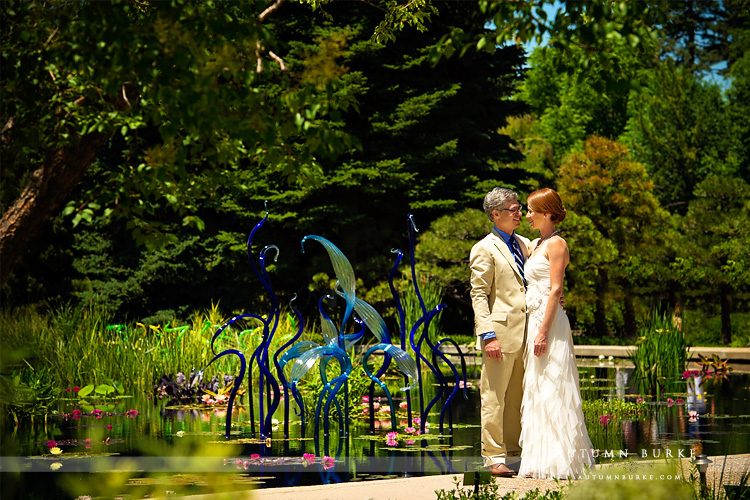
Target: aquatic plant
{"x":660,"y":356}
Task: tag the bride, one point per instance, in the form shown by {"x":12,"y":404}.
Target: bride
{"x":554,"y":440}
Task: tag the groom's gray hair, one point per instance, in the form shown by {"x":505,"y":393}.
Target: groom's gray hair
{"x":497,"y":199}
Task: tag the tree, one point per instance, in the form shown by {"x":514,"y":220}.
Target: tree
{"x":181,"y":83}
{"x":713,"y":262}
{"x":193,"y":90}
{"x":622,"y":223}
{"x":678,"y":129}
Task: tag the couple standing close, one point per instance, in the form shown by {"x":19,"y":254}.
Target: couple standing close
{"x":531,"y":401}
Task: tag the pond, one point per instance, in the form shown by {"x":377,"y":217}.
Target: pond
{"x":158,"y":449}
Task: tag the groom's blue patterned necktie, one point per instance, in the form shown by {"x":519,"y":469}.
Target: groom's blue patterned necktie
{"x":518,"y":256}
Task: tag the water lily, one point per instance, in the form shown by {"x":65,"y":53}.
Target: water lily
{"x":51,"y":444}
{"x":55,"y":450}
{"x":416,"y":421}
{"x":376,"y":405}
{"x":409,"y":430}
{"x":403,"y":405}
{"x":328,"y":462}
{"x":55,"y":465}
{"x":693,"y":415}
{"x":76,"y":389}
{"x":109,"y":427}
{"x":640,"y":400}
{"x":132,"y":413}
{"x":365,"y":399}
{"x":679,"y":400}
{"x":461,"y":384}
{"x":180,"y":433}
{"x":309,"y":458}
{"x":391,"y":435}
{"x":391,"y":442}
{"x":76,"y":414}
{"x":206,"y":398}
{"x":409,"y":441}
{"x":221,"y":398}
{"x":255,"y":456}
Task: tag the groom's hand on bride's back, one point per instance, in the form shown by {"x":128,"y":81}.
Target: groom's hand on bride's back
{"x":492,"y":349}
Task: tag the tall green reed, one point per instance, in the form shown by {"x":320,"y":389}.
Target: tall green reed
{"x":82,"y":345}
{"x":660,"y":357}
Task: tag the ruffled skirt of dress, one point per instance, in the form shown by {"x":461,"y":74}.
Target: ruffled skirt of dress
{"x":554,"y":440}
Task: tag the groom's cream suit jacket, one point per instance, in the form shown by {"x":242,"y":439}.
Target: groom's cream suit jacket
{"x":498,"y":298}
{"x":497,"y":291}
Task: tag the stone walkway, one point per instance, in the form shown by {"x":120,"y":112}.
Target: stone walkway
{"x":726,"y":470}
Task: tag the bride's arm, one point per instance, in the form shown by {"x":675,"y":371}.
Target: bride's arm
{"x":557,"y":253}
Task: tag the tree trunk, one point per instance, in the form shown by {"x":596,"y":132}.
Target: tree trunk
{"x":726,"y":319}
{"x":600,"y":312}
{"x":49,"y":188}
{"x":629,"y":317}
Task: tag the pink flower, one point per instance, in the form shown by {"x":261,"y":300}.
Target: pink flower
{"x":76,"y":389}
{"x":87,"y":440}
{"x":391,"y":435}
{"x":97,"y":411}
{"x":51,"y":444}
{"x":639,"y":400}
{"x":246,"y":464}
{"x":385,"y":409}
{"x":76,"y":413}
{"x":693,"y":415}
{"x":391,"y":442}
{"x":132,"y":413}
{"x":254,"y":456}
{"x":462,"y":385}
{"x":409,"y":441}
{"x":416,"y":421}
{"x":328,"y":462}
{"x":68,"y":390}
{"x":109,"y":427}
{"x":221,"y":398}
{"x":206,"y":398}
{"x":308,"y":458}
{"x":679,"y":400}
{"x":409,"y":430}
{"x":605,"y":419}
{"x":365,"y":399}
{"x":403,"y":405}
{"x":376,"y":405}
{"x":670,"y":400}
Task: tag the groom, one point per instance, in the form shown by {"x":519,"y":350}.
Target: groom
{"x":498,"y":297}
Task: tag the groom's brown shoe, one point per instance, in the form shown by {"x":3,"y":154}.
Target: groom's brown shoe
{"x":501,"y":470}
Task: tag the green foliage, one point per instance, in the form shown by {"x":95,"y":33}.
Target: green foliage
{"x":678,"y":128}
{"x":27,"y":393}
{"x":702,"y":328}
{"x":660,"y":357}
{"x":489,"y":491}
{"x":618,"y":408}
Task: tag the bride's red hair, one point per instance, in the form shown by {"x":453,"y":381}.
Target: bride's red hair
{"x":547,"y":201}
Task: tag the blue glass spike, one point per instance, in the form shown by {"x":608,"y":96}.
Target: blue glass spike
{"x":303,"y":364}
{"x":330,"y":333}
{"x":343,"y":270}
{"x":350,"y":340}
{"x":296,"y":351}
{"x":372,"y":319}
{"x":405,"y":362}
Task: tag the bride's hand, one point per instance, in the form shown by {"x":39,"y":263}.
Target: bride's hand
{"x":540,"y":344}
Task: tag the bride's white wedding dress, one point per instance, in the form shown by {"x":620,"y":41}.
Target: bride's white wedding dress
{"x":553,"y":439}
